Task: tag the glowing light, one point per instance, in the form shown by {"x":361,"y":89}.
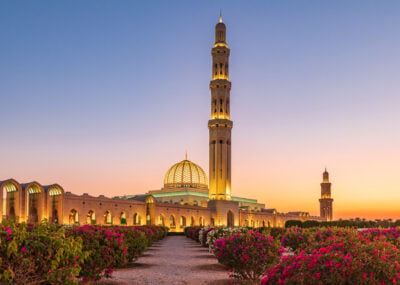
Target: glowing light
{"x":220,"y":76}
{"x":221,"y":45}
{"x":54,"y":191}
{"x":10,"y":187}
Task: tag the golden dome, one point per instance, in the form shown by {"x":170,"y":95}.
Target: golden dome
{"x":185,"y":174}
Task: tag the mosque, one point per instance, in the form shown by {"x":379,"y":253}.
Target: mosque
{"x":188,"y":197}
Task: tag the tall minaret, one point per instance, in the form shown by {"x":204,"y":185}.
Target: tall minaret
{"x":220,"y":125}
{"x":325,"y":202}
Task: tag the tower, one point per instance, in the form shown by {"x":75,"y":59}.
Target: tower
{"x":220,"y":125}
{"x":325,"y":203}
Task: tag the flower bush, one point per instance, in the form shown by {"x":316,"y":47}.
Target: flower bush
{"x":392,"y":235}
{"x":321,"y":255}
{"x":365,"y":263}
{"x":193,"y":232}
{"x":247,"y":255}
{"x":203,"y":235}
{"x":277,"y":233}
{"x":295,"y":238}
{"x":218,"y":233}
{"x":50,"y":254}
{"x":41,"y":253}
{"x":112,"y":247}
{"x":106,"y":247}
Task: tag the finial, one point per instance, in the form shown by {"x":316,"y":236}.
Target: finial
{"x":186,"y":155}
{"x":220,"y":16}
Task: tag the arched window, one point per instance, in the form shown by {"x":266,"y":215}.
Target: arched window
{"x":161,"y":221}
{"x":172,"y":222}
{"x":183,"y":222}
{"x":123,"y":218}
{"x":192,"y":222}
{"x":91,"y":218}
{"x":35,"y":203}
{"x":136,"y":219}
{"x":107,"y":218}
{"x":73,"y":217}
{"x":230,"y":219}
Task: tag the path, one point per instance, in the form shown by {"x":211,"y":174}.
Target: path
{"x":174,"y":260}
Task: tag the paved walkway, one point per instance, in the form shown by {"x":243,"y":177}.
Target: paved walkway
{"x":174,"y":260}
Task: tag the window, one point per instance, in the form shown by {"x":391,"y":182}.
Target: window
{"x":172,"y":221}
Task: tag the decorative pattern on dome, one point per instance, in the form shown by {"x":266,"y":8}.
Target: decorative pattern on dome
{"x":185,"y":174}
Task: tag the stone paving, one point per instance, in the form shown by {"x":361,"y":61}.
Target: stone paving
{"x":174,"y":260}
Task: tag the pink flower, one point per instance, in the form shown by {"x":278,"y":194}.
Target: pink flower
{"x":23,"y":249}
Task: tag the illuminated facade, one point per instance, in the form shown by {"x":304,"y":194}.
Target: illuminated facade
{"x":325,"y":203}
{"x":220,"y":125}
{"x":188,"y":198}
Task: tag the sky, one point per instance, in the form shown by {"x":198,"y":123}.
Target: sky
{"x":103,"y":97}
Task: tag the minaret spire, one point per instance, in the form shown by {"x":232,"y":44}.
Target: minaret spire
{"x":186,"y":155}
{"x":220,"y":125}
{"x":325,"y":203}
{"x":220,"y":16}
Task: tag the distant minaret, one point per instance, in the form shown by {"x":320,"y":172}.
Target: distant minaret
{"x":325,"y":202}
{"x":220,"y":125}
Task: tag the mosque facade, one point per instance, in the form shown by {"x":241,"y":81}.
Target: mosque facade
{"x":188,"y":197}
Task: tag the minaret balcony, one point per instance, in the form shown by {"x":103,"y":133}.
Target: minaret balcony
{"x":215,"y":123}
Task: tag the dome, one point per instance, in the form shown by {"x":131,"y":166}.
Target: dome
{"x":185,"y":174}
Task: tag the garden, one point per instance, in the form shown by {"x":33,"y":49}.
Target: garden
{"x":46,"y":253}
{"x":319,"y":255}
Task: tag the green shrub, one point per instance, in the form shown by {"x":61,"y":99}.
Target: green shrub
{"x":247,"y":255}
{"x":38,"y":253}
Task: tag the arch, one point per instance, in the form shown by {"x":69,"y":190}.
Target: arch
{"x":35,"y":202}
{"x":150,"y":206}
{"x":183,"y":221}
{"x":91,"y":218}
{"x":252,"y":223}
{"x":10,"y":200}
{"x":230,"y":219}
{"x":172,"y":223}
{"x":55,"y":202}
{"x":107,"y":218}
{"x":136,"y":219}
{"x":192,"y":221}
{"x":161,"y":220}
{"x":201,"y":221}
{"x":263,"y":223}
{"x":123,"y":218}
{"x":73,"y":217}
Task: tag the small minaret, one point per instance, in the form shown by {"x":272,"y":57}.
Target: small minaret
{"x":220,"y":125}
{"x":325,"y":203}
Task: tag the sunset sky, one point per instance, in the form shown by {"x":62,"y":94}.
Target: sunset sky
{"x":104,"y":96}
